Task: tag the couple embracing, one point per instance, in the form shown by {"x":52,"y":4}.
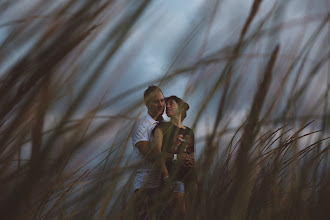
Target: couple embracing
{"x":166,"y":152}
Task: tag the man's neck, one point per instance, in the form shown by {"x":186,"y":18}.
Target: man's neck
{"x":155,"y":117}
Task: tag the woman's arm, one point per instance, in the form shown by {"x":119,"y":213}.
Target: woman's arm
{"x":157,"y":149}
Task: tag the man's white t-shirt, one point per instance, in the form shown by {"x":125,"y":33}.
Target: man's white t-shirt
{"x":145,"y":177}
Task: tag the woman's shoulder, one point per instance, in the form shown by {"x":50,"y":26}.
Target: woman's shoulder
{"x":188,"y":130}
{"x":163,"y":124}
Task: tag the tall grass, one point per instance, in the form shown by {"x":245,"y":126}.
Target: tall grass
{"x":65,"y":131}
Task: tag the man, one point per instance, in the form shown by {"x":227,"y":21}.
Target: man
{"x":147,"y":180}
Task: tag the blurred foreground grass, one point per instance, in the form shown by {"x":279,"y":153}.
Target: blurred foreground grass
{"x":273,"y":164}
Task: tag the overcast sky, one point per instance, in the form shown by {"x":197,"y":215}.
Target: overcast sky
{"x":154,"y":41}
{"x":178,"y":29}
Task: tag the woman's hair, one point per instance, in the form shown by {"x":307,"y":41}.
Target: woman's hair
{"x":183,"y":106}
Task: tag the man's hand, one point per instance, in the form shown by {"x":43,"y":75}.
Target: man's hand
{"x":166,"y":184}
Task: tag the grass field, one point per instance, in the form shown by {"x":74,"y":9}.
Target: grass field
{"x":260,"y":103}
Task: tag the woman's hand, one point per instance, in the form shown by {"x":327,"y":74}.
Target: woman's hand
{"x":186,"y":160}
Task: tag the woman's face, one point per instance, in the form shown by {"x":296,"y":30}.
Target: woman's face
{"x":172,"y":108}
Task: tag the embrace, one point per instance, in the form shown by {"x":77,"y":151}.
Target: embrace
{"x":166,"y":151}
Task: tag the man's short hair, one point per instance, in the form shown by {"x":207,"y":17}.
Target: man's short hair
{"x":151,"y":89}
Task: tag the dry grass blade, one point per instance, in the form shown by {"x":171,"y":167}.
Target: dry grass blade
{"x":69,"y":85}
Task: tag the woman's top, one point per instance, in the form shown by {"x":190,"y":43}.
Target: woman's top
{"x":177,"y":140}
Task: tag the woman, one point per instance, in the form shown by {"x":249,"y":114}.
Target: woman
{"x":175,"y":141}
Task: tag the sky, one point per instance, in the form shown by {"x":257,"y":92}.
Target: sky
{"x":165,"y":27}
{"x":174,"y":34}
{"x":161,"y":35}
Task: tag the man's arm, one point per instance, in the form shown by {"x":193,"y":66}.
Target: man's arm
{"x":144,"y":148}
{"x":157,"y":150}
{"x":140,"y":138}
{"x":168,"y":157}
